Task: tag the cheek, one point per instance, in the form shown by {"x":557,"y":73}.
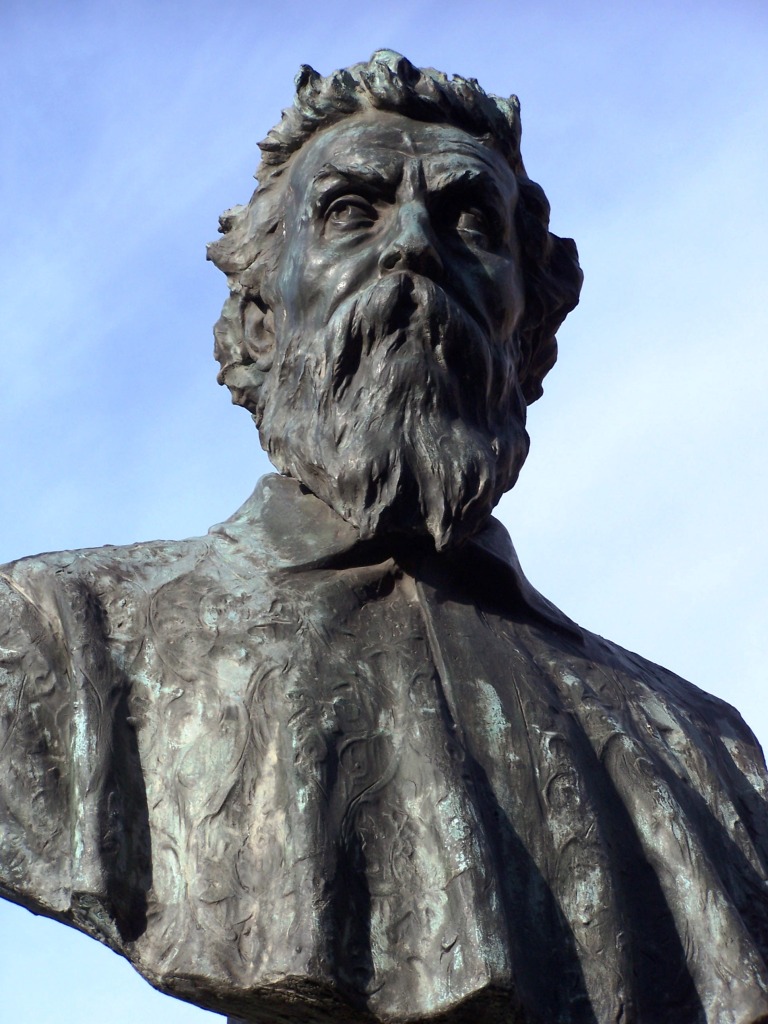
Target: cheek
{"x":300,"y":279}
{"x":313,"y":274}
{"x":498,"y":284}
{"x":512,"y":297}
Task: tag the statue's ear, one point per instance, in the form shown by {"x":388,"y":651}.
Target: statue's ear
{"x":259,"y":333}
{"x":244,"y":346}
{"x":245,"y":331}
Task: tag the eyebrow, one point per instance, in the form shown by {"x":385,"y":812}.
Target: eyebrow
{"x":467,"y":173}
{"x":356,"y":174}
{"x":480,"y":178}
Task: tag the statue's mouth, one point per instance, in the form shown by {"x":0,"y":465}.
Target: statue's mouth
{"x":407,"y":302}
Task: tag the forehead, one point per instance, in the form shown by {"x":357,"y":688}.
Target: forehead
{"x":380,"y":145}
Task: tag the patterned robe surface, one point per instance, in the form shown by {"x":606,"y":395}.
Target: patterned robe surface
{"x":296,"y":777}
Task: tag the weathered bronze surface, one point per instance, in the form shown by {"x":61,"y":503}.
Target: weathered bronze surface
{"x":338,"y":760}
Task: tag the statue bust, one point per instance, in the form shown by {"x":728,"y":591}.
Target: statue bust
{"x":338,"y":760}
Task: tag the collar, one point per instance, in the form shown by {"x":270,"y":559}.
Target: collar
{"x":289,"y":529}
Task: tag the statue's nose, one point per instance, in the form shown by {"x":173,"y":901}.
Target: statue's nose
{"x":411,"y":244}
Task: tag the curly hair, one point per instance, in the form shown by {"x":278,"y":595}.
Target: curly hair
{"x":249,"y":250}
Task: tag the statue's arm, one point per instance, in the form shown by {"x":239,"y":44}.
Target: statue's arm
{"x":35,"y":744}
{"x":73,"y":820}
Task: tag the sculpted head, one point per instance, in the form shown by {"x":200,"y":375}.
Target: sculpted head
{"x":395,"y":293}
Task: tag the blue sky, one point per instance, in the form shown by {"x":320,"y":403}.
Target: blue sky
{"x":128,"y":127}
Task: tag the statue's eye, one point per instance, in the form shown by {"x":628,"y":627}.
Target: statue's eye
{"x":475,"y":226}
{"x":349,"y":213}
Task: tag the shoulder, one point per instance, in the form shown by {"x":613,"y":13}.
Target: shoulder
{"x":668,"y":706}
{"x":42,"y":582}
{"x":54,"y":603}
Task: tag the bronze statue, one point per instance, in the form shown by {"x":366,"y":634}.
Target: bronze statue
{"x":338,"y":760}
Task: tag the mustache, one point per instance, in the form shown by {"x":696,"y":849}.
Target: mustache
{"x":404,"y":309}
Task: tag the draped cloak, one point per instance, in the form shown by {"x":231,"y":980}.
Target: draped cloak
{"x":292,"y":776}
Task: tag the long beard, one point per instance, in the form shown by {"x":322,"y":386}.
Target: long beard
{"x":404,"y":417}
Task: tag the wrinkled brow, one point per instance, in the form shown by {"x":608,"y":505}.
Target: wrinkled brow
{"x":476,"y":176}
{"x":357,"y":174}
{"x":471,"y":181}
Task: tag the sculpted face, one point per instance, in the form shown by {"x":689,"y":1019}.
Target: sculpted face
{"x":379,"y":196}
{"x":394,"y":393}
